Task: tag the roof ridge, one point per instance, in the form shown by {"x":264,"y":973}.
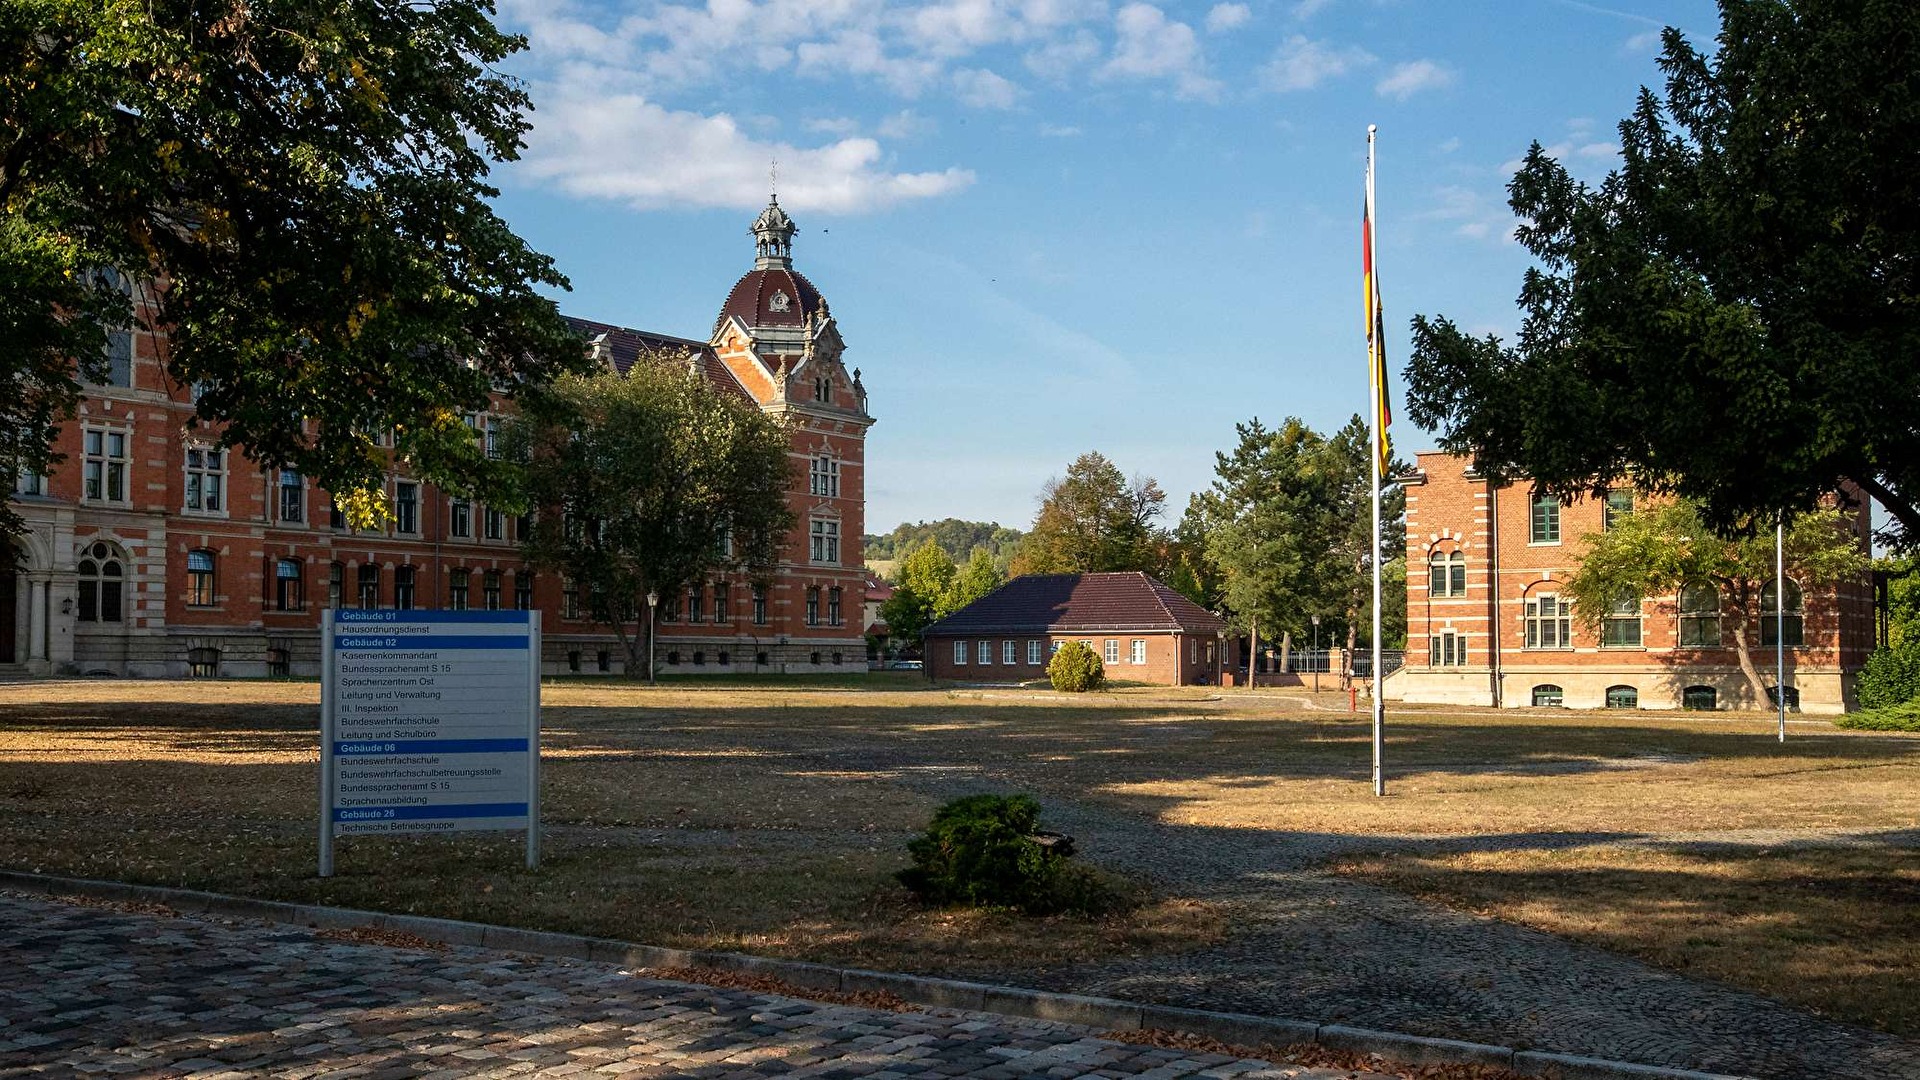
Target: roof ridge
{"x":1154,"y":585}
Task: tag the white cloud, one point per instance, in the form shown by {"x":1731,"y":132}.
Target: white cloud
{"x":1449,"y":146}
{"x":833,"y":125}
{"x":905,"y":124}
{"x":1057,"y":60}
{"x":1148,"y":45}
{"x":1307,"y":9}
{"x":1224,"y":17}
{"x":1058,"y":131}
{"x":1645,"y":43}
{"x":1473,"y":214}
{"x":625,"y":148}
{"x":1413,"y":77}
{"x":1302,"y":64}
{"x":982,"y":89}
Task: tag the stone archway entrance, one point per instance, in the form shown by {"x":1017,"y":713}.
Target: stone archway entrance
{"x":9,"y":611}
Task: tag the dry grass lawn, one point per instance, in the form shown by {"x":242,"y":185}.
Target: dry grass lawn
{"x":770,"y":817}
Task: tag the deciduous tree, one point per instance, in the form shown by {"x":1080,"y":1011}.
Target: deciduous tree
{"x":1733,"y":314}
{"x":1093,"y":520}
{"x":651,"y":480}
{"x":921,"y":580}
{"x":300,"y":189}
{"x":1664,"y":548}
{"x":976,"y":579}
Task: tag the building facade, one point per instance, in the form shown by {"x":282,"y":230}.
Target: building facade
{"x":1142,"y":630}
{"x":152,"y":552}
{"x":1487,"y":625}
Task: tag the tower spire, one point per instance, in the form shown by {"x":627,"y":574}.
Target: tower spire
{"x":773,"y":235}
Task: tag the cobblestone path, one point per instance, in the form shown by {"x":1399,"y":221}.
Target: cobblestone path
{"x":1317,"y":946}
{"x":90,"y":991}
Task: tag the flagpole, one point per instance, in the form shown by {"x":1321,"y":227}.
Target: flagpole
{"x":1780,"y":620}
{"x":1374,"y":378}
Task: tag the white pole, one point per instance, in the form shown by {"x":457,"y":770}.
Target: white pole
{"x":326,"y":743}
{"x":1379,"y":702}
{"x":1780,"y":621}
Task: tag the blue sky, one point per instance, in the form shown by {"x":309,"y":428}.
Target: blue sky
{"x":1052,"y":226}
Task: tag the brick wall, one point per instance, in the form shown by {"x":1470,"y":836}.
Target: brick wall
{"x":1171,"y":659}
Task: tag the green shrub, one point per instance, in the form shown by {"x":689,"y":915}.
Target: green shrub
{"x":1891,"y":676}
{"x":1076,"y":669}
{"x":1902,"y":717}
{"x":981,"y":851}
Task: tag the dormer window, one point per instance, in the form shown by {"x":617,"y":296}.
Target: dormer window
{"x":779,"y":302}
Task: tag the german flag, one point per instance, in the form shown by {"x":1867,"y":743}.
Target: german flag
{"x":1376,"y":333}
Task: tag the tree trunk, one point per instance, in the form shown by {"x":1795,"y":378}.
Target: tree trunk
{"x":1253,"y":649}
{"x":1745,"y":656}
{"x":631,"y":644}
{"x":1286,"y":650}
{"x":1346,"y":669}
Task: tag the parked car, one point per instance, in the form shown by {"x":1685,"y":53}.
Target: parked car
{"x":905,"y":665}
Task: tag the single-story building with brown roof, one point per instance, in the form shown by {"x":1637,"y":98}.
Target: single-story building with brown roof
{"x":1142,"y":630}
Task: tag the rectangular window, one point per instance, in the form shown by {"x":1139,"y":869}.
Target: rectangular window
{"x":493,"y":524}
{"x":460,"y":518}
{"x":1139,"y":651}
{"x":406,"y":507}
{"x":336,"y":586}
{"x":458,"y":582}
{"x":493,"y":437}
{"x":1110,"y":651}
{"x":759,"y":605}
{"x":1621,"y":627}
{"x":119,"y":357}
{"x":1006,"y":652}
{"x":206,"y":479}
{"x":1033,"y":653}
{"x":722,"y":602}
{"x":825,"y":545}
{"x":29,"y":483}
{"x":569,"y":598}
{"x":200,"y":578}
{"x":289,"y":585}
{"x":1446,"y":649}
{"x":696,"y":603}
{"x":293,"y":497}
{"x":523,"y":590}
{"x":986,"y":652}
{"x":833,"y":606}
{"x":370,"y":585}
{"x":959,"y":651}
{"x":1619,"y":505}
{"x":813,"y":606}
{"x":824,"y":476}
{"x":336,"y":517}
{"x":1549,"y":623}
{"x":1545,"y":519}
{"x":105,"y":468}
{"x":404,"y":579}
{"x":490,"y":590}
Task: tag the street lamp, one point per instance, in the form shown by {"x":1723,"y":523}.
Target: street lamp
{"x":1316,"y":654}
{"x":653,"y":602}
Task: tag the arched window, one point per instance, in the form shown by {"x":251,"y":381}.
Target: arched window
{"x":1700,"y":697}
{"x":1547,"y":695}
{"x":1447,"y":574}
{"x":1772,"y":625}
{"x":200,"y":578}
{"x":1622,"y":697}
{"x":102,"y":583}
{"x":1700,"y":615}
{"x":289,"y":585}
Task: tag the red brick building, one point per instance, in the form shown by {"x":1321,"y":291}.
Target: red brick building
{"x":1141,"y":629}
{"x":1487,"y":625}
{"x":150,"y":552}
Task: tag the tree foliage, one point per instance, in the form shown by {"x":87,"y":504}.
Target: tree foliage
{"x":651,"y":480}
{"x":976,"y":579}
{"x":960,"y":539}
{"x":300,"y":190}
{"x":921,"y":581}
{"x":1288,"y":526}
{"x":1093,"y":520}
{"x":1661,"y":548}
{"x":1731,"y":315}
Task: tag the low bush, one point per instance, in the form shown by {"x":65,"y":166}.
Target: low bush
{"x":984,"y":851}
{"x":1891,"y":675}
{"x":1076,"y":668}
{"x":1902,"y":717}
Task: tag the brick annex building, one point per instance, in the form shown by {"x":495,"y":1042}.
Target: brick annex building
{"x":1486,"y":624}
{"x":152,"y":553}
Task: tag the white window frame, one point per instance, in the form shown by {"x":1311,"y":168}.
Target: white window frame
{"x":1033,"y":653}
{"x":103,"y":471}
{"x":1110,"y":651}
{"x":1446,"y":647}
{"x":280,"y":489}
{"x":1137,"y":651}
{"x":460,"y":519}
{"x":202,"y":479}
{"x":986,"y":652}
{"x":823,"y":548}
{"x":1008,"y":654}
{"x":959,"y":652}
{"x":1537,"y":620}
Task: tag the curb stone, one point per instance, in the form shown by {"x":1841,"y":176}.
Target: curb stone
{"x":1102,"y":1013}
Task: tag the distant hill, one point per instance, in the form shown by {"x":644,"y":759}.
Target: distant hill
{"x":959,"y":538}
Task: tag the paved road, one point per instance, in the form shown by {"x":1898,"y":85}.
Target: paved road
{"x":96,"y":991}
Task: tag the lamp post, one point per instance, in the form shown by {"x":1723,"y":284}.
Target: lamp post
{"x":653,"y":602}
{"x":1316,"y":654}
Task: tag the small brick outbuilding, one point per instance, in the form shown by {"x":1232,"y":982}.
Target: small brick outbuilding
{"x":1140,"y":627}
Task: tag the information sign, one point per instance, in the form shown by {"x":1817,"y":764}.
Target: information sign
{"x":429,"y":722}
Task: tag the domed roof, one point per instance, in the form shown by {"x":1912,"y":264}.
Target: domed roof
{"x":779,"y":296}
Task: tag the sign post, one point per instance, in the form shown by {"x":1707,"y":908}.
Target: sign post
{"x":429,"y":722}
